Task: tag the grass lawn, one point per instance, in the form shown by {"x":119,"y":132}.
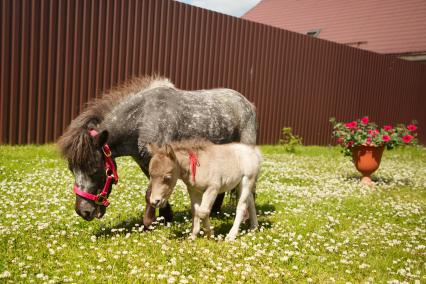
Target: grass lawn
{"x":318,"y":224}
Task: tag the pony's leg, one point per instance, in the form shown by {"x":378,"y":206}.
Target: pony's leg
{"x":166,"y":212}
{"x":217,"y":203}
{"x":252,"y":212}
{"x":195,"y":203}
{"x":149,"y":217}
{"x":245,"y":187}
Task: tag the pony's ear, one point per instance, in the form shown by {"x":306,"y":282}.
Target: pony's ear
{"x":169,"y":151}
{"x":101,"y":138}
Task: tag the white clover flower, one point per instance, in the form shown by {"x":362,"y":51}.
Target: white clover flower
{"x":5,"y":274}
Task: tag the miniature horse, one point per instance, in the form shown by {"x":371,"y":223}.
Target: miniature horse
{"x":207,"y":170}
{"x":141,"y":111}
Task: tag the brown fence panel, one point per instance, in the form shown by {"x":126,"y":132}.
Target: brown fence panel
{"x":55,"y":55}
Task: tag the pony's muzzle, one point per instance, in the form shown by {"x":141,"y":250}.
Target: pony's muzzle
{"x":85,"y":209}
{"x":86,"y":214}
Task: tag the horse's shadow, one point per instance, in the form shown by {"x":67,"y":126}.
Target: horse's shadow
{"x":225,"y":217}
{"x":379,"y":179}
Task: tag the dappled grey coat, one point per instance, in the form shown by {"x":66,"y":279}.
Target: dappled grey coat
{"x":151,"y":110}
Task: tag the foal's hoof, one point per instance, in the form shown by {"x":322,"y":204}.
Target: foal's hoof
{"x":230,"y":238}
{"x":147,"y":229}
{"x":253,"y":228}
{"x":209,"y":234}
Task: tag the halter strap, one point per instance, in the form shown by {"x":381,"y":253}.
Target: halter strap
{"x":112,"y":177}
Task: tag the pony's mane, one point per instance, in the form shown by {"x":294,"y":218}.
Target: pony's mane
{"x":76,"y":144}
{"x":199,"y":144}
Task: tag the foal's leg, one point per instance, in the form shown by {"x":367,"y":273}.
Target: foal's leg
{"x":245,"y":187}
{"x":195,"y":203}
{"x":209,"y":197}
{"x":252,"y":212}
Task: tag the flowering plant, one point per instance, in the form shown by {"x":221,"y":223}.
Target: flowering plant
{"x":364,"y":132}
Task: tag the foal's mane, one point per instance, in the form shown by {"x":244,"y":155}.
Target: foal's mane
{"x":198,"y":144}
{"x":75,"y":144}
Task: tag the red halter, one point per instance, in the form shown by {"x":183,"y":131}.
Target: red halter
{"x":112,"y":176}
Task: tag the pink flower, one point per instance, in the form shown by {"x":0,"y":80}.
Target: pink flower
{"x":351,"y":125}
{"x":387,"y":127}
{"x":407,"y":138}
{"x":373,"y":132}
{"x":412,"y":127}
{"x":368,"y":141}
{"x":386,"y":138}
{"x":350,"y":143}
{"x":364,"y":120}
{"x":339,"y":140}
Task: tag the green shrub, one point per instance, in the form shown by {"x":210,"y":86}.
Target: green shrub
{"x":289,"y":140}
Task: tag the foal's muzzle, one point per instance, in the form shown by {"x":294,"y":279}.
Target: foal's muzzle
{"x":158,"y":203}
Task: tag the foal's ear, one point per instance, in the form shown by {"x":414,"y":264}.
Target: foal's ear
{"x":169,"y":151}
{"x":152,"y":148}
{"x":101,"y":138}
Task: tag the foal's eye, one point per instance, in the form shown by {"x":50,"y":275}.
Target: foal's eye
{"x":167,"y":179}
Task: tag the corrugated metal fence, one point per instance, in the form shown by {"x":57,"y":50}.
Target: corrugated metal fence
{"x":58,"y":54}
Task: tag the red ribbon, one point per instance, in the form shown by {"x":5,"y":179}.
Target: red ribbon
{"x":193,"y":162}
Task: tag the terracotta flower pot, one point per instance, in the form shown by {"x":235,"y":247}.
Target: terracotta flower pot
{"x":367,"y":161}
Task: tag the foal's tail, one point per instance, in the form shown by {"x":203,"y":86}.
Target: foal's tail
{"x":259,"y":159}
{"x":258,"y":156}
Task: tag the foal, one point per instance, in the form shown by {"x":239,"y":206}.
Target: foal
{"x":207,"y":170}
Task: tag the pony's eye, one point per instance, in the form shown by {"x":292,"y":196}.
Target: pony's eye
{"x":167,"y":179}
